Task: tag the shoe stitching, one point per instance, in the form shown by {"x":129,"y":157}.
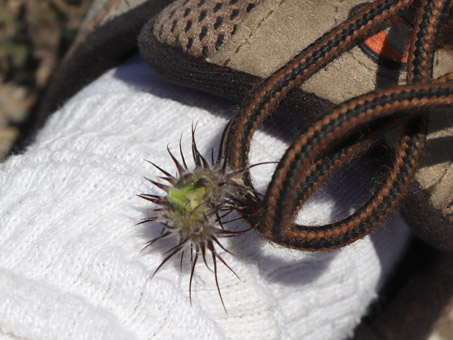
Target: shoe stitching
{"x":252,"y":33}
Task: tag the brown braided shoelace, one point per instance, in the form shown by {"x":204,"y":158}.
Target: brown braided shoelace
{"x":315,"y":154}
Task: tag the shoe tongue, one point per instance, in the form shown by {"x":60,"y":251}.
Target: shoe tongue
{"x":275,"y":31}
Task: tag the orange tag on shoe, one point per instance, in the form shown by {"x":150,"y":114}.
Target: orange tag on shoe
{"x":390,"y":45}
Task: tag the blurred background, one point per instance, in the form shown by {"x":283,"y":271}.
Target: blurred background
{"x":34,"y":36}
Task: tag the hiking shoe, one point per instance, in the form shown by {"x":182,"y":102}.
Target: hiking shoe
{"x":226,"y":47}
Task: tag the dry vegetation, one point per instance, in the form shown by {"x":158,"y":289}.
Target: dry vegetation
{"x":34,"y":34}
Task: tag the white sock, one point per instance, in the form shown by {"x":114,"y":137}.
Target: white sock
{"x":71,"y":265}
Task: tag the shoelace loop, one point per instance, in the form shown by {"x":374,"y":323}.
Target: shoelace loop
{"x":312,"y":157}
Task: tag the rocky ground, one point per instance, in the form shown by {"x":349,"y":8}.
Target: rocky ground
{"x":34,"y":34}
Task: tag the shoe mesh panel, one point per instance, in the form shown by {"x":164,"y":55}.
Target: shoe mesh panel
{"x":201,"y":27}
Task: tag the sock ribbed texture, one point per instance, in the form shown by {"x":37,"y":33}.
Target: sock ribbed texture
{"x":71,"y":265}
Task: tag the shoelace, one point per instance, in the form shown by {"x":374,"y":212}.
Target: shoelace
{"x":313,"y":156}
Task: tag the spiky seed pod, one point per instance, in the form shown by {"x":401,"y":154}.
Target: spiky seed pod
{"x":193,"y":206}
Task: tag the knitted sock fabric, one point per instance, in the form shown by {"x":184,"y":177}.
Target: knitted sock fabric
{"x":71,"y":259}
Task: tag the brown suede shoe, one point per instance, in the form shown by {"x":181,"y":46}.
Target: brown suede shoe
{"x":222,"y":46}
{"x":226,"y":47}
